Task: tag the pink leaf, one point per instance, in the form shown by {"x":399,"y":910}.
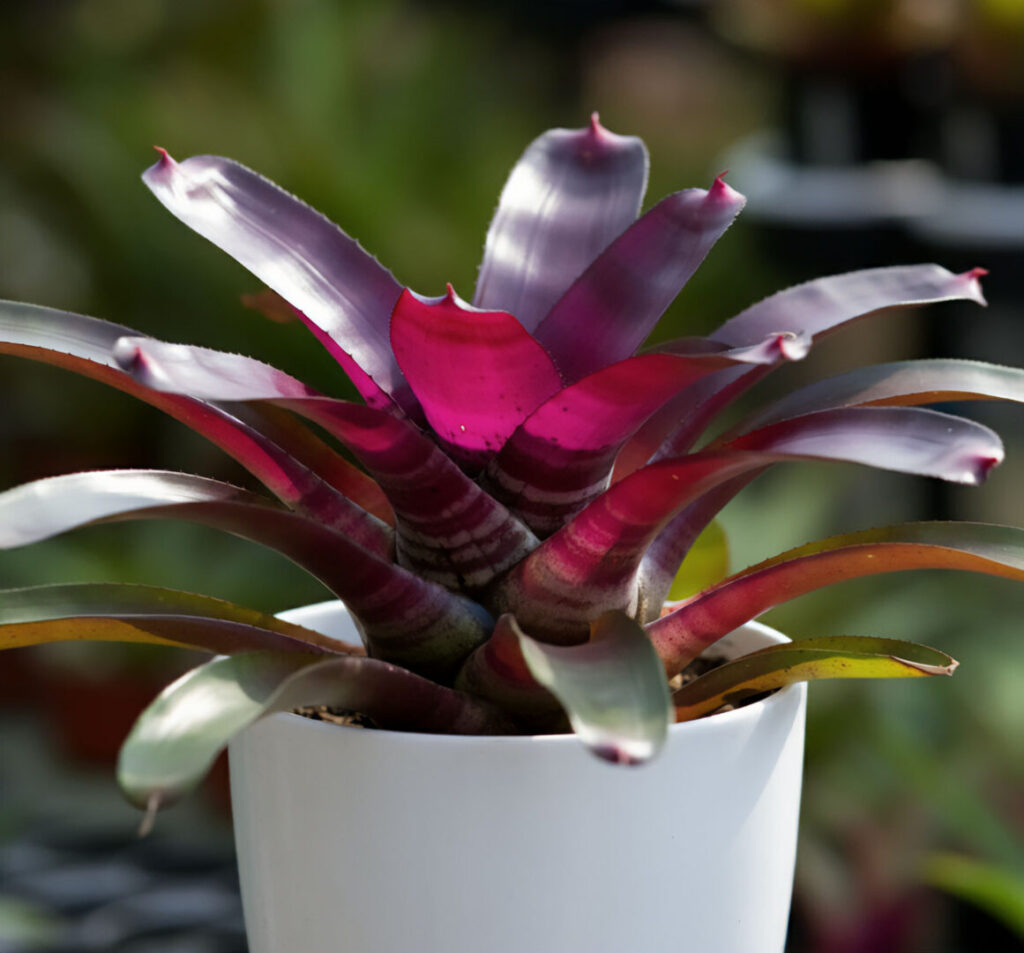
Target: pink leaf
{"x":560,"y":457}
{"x":478,"y":374}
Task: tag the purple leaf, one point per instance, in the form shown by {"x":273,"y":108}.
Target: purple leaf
{"x":343,"y":294}
{"x":591,"y":564}
{"x":110,"y":612}
{"x":449,"y":530}
{"x":815,"y":308}
{"x":612,"y":307}
{"x":571,"y":193}
{"x":820,"y":306}
{"x":477,"y":374}
{"x":84,"y":345}
{"x":685,"y":632}
{"x":403,"y":618}
{"x":899,"y":383}
{"x":560,"y":458}
{"x":176,"y":739}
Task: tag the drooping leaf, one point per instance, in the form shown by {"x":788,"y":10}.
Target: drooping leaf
{"x":403,"y":617}
{"x":571,"y":193}
{"x":591,"y":564}
{"x":344,"y":295}
{"x":112,"y":612}
{"x":780,"y":665}
{"x":561,"y":457}
{"x":612,"y":307}
{"x":477,"y":374}
{"x":612,"y":687}
{"x":85,"y":345}
{"x":449,"y":529}
{"x":176,"y":739}
{"x":902,"y":383}
{"x":685,"y":632}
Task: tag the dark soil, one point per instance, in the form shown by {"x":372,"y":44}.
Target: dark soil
{"x":356,"y":719}
{"x":336,"y":716}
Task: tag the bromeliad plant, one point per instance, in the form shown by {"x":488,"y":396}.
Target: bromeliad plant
{"x":528,"y":484}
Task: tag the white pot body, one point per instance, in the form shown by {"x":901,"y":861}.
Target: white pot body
{"x":356,"y":841}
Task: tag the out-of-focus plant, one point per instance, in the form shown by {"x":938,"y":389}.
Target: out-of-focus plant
{"x":852,"y":31}
{"x":528,"y":484}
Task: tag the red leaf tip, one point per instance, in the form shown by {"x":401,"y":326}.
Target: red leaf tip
{"x":595,"y":123}
{"x":450,"y":296}
{"x":986,"y":464}
{"x":972,"y":278}
{"x":721,"y":191}
{"x":165,"y":156}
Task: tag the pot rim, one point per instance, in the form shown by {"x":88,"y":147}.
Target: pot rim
{"x":721,"y":721}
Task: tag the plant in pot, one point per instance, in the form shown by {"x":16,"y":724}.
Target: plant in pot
{"x":526,"y":490}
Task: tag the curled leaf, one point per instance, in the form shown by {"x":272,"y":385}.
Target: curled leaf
{"x":612,"y":687}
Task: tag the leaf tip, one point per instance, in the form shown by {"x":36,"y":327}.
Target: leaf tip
{"x":153,"y":803}
{"x":164,"y":165}
{"x":972,"y":279}
{"x":621,"y":754}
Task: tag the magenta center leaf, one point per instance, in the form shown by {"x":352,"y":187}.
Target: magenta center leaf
{"x":478,"y":374}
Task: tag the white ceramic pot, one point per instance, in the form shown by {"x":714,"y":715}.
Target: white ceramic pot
{"x":356,"y":841}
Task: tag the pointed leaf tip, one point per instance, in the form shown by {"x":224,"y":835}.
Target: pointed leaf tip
{"x":973,"y":280}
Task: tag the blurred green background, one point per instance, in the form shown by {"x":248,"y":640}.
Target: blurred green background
{"x":400,"y":120}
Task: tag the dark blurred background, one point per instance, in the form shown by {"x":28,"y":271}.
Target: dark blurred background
{"x":864,"y":132}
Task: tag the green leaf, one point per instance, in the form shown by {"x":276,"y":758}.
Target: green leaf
{"x":706,"y":563}
{"x":176,"y":739}
{"x":613,"y":687}
{"x":781,"y":665}
{"x":996,"y":890}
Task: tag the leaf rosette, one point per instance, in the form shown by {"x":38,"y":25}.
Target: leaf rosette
{"x":527,"y":481}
